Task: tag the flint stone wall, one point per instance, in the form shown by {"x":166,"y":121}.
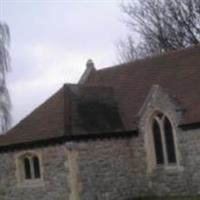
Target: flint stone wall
{"x":109,"y":169}
{"x":117,"y":169}
{"x":54,"y":185}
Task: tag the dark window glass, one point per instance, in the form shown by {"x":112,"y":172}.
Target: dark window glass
{"x":169,"y":139}
{"x":158,"y":143}
{"x":159,"y":115}
{"x":36,"y":167}
{"x":27,"y":168}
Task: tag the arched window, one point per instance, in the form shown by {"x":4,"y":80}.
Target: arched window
{"x":158,"y":142}
{"x":36,"y":167}
{"x":27,"y":168}
{"x":30,"y":167}
{"x":163,"y":138}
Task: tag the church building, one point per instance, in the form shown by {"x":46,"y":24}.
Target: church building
{"x":126,"y":131}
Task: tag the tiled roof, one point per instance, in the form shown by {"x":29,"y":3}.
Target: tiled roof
{"x":73,"y":110}
{"x":111,"y":98}
{"x":177,"y":72}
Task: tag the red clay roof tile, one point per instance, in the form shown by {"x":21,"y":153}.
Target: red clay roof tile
{"x":177,"y":72}
{"x":111,"y":98}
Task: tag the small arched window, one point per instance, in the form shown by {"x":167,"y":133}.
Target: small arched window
{"x":27,"y":168}
{"x":163,"y":138}
{"x":36,"y":167}
{"x":30,"y":167}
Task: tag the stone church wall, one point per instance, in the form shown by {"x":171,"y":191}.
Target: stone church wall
{"x":190,"y":157}
{"x":53,"y":186}
{"x":180,"y":180}
{"x":117,"y":169}
{"x":112,"y":169}
{"x":107,"y":169}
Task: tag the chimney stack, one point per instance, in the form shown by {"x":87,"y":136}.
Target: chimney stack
{"x":90,"y":67}
{"x":90,"y":64}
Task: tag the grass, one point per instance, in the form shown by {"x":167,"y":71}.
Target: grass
{"x":166,"y":198}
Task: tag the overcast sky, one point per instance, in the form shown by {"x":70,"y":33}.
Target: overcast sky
{"x":51,"y":41}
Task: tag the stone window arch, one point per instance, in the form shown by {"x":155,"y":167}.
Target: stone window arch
{"x":163,"y":140}
{"x":29,"y":167}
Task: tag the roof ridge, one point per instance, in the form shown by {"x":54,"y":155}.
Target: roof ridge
{"x":163,"y":54}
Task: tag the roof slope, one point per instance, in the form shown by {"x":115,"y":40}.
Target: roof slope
{"x":73,"y":110}
{"x":110,"y":98}
{"x":177,"y":72}
{"x":45,"y":121}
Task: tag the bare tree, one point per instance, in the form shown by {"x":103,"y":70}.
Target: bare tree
{"x":5,"y":103}
{"x":163,"y":25}
{"x":126,"y":50}
{"x":129,"y":50}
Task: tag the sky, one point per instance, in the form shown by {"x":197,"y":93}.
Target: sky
{"x":51,"y":40}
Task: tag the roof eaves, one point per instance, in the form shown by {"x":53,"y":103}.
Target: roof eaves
{"x":66,"y":138}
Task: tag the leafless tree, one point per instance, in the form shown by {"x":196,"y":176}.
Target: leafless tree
{"x":5,"y":103}
{"x":162,"y":25}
